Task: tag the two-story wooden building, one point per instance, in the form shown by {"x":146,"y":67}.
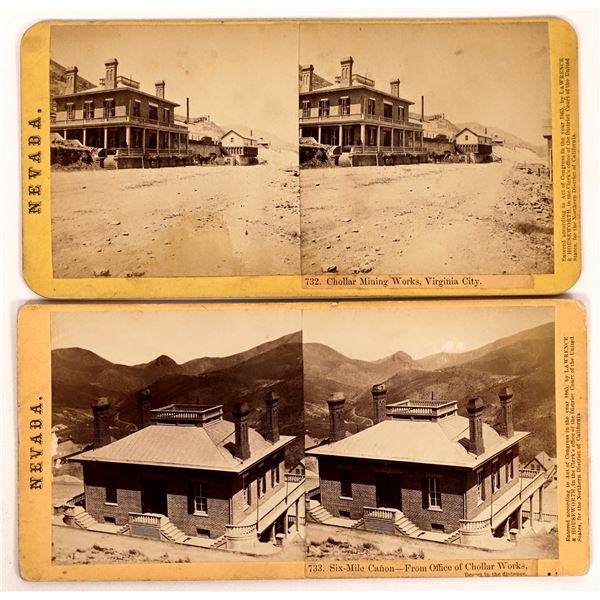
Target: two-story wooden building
{"x":478,"y":145}
{"x":187,"y":474}
{"x":136,"y":127}
{"x":423,"y":468}
{"x":371,"y":124}
{"x":242,"y":150}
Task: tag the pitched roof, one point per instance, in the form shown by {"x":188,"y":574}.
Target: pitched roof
{"x":479,"y":135}
{"x":545,"y":460}
{"x":209,"y":447}
{"x":442,"y":442}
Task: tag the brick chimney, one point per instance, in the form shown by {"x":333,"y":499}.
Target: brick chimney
{"x":144,"y":406}
{"x":110,"y":75}
{"x":159,"y":87}
{"x":422,"y":109}
{"x":379,"y":393}
{"x":242,"y":442}
{"x":506,"y":428}
{"x":337,"y":429}
{"x":475,"y":411}
{"x":346,"y":75}
{"x":101,"y":412}
{"x":272,"y":404}
{"x":71,"y":80}
{"x":306,"y":78}
{"x":395,"y":88}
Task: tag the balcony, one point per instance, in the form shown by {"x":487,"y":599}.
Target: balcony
{"x":334,"y":118}
{"x":118,"y":120}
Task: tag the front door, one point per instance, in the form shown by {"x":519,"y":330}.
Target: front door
{"x":388,"y":489}
{"x":154,"y":496}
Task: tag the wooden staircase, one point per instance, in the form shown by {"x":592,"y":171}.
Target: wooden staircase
{"x":171,"y":532}
{"x":319,"y":514}
{"x":406,"y":527}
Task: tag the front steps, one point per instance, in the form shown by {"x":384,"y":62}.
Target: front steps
{"x":406,"y":527}
{"x":319,"y":514}
{"x":83,"y":519}
{"x":171,"y":532}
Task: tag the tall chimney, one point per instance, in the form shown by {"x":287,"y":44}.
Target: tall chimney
{"x":379,"y":393}
{"x":422,"y":109}
{"x":306,"y":78}
{"x":242,"y":442}
{"x":101,"y":412}
{"x":272,"y":403}
{"x":144,"y":399}
{"x":110,"y":76}
{"x":159,"y":88}
{"x":71,"y":80}
{"x":506,"y":428}
{"x":337,"y":429}
{"x":187,"y":111}
{"x":475,"y":411}
{"x":346,"y":75}
{"x":395,"y":88}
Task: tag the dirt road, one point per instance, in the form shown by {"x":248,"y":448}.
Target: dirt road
{"x":182,"y":221}
{"x":425,"y":219}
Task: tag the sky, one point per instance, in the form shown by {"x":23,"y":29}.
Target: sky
{"x":133,"y":337}
{"x":237,"y":74}
{"x":419,"y":331}
{"x":494,"y":74}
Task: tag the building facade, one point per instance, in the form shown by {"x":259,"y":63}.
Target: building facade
{"x":352,"y":113}
{"x":118,"y":115}
{"x":422,"y":468}
{"x":241,"y":149}
{"x":479,"y":145}
{"x":188,"y":473}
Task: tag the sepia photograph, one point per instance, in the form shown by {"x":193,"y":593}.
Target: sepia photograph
{"x":425,"y":148}
{"x":177,"y":436}
{"x":174,"y":150}
{"x":431,"y":433}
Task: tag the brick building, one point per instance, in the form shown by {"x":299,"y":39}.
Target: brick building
{"x":423,"y":468}
{"x":352,"y":113}
{"x":138,"y":127}
{"x":188,"y":473}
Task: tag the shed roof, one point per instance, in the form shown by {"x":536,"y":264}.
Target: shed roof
{"x":209,"y":447}
{"x":442,"y":442}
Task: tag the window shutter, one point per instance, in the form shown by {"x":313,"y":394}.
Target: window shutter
{"x":425,"y":492}
{"x":191,"y":507}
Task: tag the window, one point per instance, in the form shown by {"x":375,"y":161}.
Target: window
{"x":109,"y":108}
{"x":323,"y":108}
{"x":466,"y":137}
{"x":167,"y":115}
{"x":274,"y":475}
{"x":137,"y":108}
{"x":110,"y":485}
{"x":88,"y":109}
{"x":261,"y":482}
{"x":510,"y":468}
{"x":306,"y":109}
{"x":153,"y":112}
{"x":247,"y":491}
{"x":344,"y":105}
{"x":480,"y":485}
{"x":388,"y":111}
{"x":401,"y":113}
{"x":346,"y":483}
{"x":495,"y":476}
{"x":70,"y":111}
{"x":434,"y":494}
{"x":371,"y":107}
{"x":200,"y":500}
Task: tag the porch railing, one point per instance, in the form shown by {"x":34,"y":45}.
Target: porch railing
{"x":475,"y":526}
{"x":294,"y":477}
{"x":241,"y":531}
{"x":361,"y":116}
{"x":77,"y":500}
{"x":370,"y":512}
{"x":146,"y":519}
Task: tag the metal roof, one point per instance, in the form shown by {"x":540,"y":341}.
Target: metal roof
{"x":442,"y":442}
{"x":209,"y":447}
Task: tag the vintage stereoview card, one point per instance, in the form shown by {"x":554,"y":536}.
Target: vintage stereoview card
{"x":446,"y":440}
{"x":317,"y":440}
{"x":293,"y":159}
{"x":172,"y":437}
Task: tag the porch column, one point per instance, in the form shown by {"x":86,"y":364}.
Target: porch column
{"x":319,"y":135}
{"x":531,"y":510}
{"x":540,"y":503}
{"x":520,"y":518}
{"x":157,"y":140}
{"x":341,"y":135}
{"x":297,"y":507}
{"x":363,"y":134}
{"x":128,"y":136}
{"x":285,"y":523}
{"x":507,"y":528}
{"x":106,"y":137}
{"x":169,"y":142}
{"x":378,"y":137}
{"x":272,"y":534}
{"x":143,"y":141}
{"x":64,"y":134}
{"x":84,"y":136}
